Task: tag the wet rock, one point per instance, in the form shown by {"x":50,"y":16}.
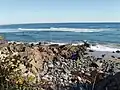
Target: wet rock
{"x":113,"y":56}
{"x":118,"y":57}
{"x":54,"y":45}
{"x":85,"y":53}
{"x":103,"y":55}
{"x":62,"y":46}
{"x":91,"y":51}
{"x":117,"y":51}
{"x":86,"y":44}
{"x":113,"y":52}
{"x":99,"y":58}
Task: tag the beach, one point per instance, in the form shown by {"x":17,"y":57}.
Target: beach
{"x":59,"y":67}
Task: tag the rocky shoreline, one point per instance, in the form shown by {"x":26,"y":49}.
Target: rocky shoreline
{"x":57,"y":67}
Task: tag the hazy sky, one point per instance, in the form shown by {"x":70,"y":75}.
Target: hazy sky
{"x":28,"y":11}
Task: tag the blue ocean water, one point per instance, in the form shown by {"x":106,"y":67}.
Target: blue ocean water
{"x":62,"y":32}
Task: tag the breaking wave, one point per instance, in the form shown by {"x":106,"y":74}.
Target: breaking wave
{"x":56,"y":29}
{"x":8,"y":30}
{"x":66,"y":29}
{"x":104,"y":48}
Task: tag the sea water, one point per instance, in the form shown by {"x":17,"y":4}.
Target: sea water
{"x":103,"y":36}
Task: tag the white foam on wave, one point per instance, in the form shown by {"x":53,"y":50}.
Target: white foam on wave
{"x":8,"y":30}
{"x":55,"y":29}
{"x":33,"y":29}
{"x":48,"y":43}
{"x":77,"y":29}
{"x":65,"y":29}
{"x":57,"y":43}
{"x":103,"y":48}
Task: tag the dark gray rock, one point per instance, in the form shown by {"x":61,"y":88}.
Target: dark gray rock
{"x":112,"y":82}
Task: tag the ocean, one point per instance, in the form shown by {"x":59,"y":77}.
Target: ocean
{"x":102,"y":36}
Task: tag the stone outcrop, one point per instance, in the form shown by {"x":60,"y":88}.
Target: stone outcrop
{"x":58,"y":67}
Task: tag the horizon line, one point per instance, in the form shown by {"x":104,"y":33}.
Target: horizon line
{"x":62,"y":22}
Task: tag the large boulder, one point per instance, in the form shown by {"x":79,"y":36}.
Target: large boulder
{"x":112,"y":82}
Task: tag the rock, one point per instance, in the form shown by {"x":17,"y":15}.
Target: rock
{"x":113,"y":56}
{"x":99,"y":58}
{"x":118,"y":57}
{"x":113,"y":52}
{"x":86,"y":44}
{"x":54,"y":45}
{"x":53,"y":65}
{"x":85,"y":53}
{"x":62,"y":46}
{"x":103,"y":55}
{"x":93,"y":64}
{"x":91,"y":51}
{"x":109,"y":83}
{"x":117,"y":51}
{"x":50,"y":65}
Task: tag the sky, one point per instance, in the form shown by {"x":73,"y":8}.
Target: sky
{"x":41,"y":11}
